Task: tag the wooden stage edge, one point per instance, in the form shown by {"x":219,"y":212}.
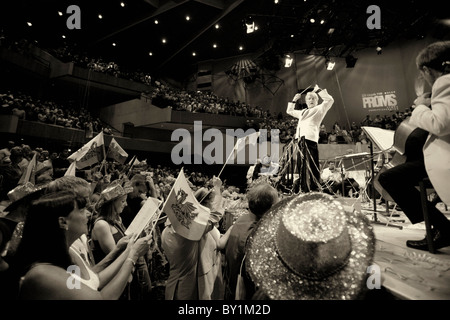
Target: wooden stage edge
{"x":406,"y":273}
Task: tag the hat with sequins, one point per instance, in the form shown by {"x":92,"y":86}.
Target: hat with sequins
{"x":114,"y":190}
{"x":308,"y":247}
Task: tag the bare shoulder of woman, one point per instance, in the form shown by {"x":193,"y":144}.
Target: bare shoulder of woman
{"x":49,"y":282}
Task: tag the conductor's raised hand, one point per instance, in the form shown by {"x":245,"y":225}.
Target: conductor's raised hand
{"x":296,"y":97}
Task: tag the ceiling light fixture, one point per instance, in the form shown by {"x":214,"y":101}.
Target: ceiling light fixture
{"x":156,"y":21}
{"x":60,"y":13}
{"x":122,"y":4}
{"x":217,"y":26}
{"x":188,"y":18}
{"x":163,"y":40}
{"x":214,"y":45}
{"x":329,"y":64}
{"x":288,"y":61}
{"x":250,"y":24}
{"x":379,"y":50}
{"x":312,"y":20}
{"x":100,"y":16}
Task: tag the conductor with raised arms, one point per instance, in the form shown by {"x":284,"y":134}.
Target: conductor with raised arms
{"x":309,"y":121}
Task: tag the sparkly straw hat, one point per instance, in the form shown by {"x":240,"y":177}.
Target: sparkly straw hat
{"x":308,"y":247}
{"x":114,"y":190}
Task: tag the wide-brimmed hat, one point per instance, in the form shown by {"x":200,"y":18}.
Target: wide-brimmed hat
{"x":24,"y":193}
{"x":114,"y":190}
{"x":308,"y":247}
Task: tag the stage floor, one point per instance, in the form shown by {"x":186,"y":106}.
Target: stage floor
{"x":408,"y":273}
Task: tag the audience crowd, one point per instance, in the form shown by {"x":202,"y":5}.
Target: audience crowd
{"x":89,"y":212}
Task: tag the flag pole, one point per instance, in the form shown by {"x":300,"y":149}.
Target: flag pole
{"x":229,"y":156}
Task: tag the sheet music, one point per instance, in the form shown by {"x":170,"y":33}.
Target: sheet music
{"x":383,"y":138}
{"x":148,"y":212}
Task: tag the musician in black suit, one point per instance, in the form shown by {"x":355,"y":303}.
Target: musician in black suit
{"x":427,"y":154}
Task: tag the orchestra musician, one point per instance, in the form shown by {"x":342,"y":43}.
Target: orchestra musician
{"x":432,"y":114}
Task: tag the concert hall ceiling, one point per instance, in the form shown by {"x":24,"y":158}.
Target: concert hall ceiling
{"x":128,"y":34}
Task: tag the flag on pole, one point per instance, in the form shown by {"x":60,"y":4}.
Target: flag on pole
{"x":71,"y":170}
{"x":29,"y":174}
{"x":246,"y":146}
{"x":116,"y":152}
{"x":187,"y":216}
{"x":132,"y":161}
{"x":251,"y":139}
{"x":91,"y":153}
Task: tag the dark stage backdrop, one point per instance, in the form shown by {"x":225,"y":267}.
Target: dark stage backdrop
{"x":377,"y":84}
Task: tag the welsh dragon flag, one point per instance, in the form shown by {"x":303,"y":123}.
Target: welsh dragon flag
{"x":187,"y":216}
{"x":116,"y":152}
{"x":89,"y":154}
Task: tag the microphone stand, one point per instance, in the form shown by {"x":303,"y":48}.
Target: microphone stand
{"x":373,"y":179}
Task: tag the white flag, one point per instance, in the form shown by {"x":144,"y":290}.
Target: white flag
{"x":91,"y":153}
{"x":188,"y":217}
{"x":71,"y":170}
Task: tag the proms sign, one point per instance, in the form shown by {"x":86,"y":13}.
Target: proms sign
{"x":380,"y":101}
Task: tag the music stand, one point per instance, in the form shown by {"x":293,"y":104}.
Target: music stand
{"x":384,"y":140}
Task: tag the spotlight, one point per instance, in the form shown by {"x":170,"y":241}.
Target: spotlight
{"x":250,"y":24}
{"x":329,"y":64}
{"x":288,"y":61}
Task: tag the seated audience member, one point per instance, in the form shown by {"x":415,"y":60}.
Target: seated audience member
{"x":307,"y":247}
{"x":43,"y":258}
{"x":261,"y":198}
